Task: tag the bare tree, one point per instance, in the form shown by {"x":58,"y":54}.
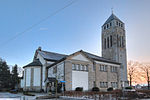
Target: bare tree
{"x":146,"y":73}
{"x":132,"y":70}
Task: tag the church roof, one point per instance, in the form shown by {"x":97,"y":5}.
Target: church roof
{"x":51,"y":56}
{"x":112,"y":17}
{"x":36,"y":62}
{"x":90,"y":56}
{"x":98,"y":58}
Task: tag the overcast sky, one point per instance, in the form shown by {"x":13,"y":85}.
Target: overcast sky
{"x":74,"y":28}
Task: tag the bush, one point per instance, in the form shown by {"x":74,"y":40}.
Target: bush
{"x":110,"y":89}
{"x":128,"y":88}
{"x":79,"y":89}
{"x":96,"y":89}
{"x":27,"y":93}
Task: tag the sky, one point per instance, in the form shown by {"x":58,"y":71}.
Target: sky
{"x":72,"y":29}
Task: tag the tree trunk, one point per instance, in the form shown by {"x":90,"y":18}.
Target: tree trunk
{"x":130,"y":80}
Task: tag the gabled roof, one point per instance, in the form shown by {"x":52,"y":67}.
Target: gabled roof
{"x":89,"y":56}
{"x":98,"y":58}
{"x":112,"y":17}
{"x":51,"y":56}
{"x":36,"y":62}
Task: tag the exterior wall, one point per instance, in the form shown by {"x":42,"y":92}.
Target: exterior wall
{"x":88,"y":76}
{"x":68,"y":75}
{"x":41,"y":59}
{"x":116,"y":52}
{"x":60,"y":71}
{"x":32,"y":78}
{"x":91,"y":74}
{"x":107,"y":76}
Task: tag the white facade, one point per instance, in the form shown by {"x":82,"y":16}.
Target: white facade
{"x":28,"y":76}
{"x":79,"y":79}
{"x":80,"y":57}
{"x":37,"y":77}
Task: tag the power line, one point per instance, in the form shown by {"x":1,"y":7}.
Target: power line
{"x":44,"y":19}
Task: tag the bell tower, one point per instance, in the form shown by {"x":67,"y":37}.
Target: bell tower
{"x":114,"y":43}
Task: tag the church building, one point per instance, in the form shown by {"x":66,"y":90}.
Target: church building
{"x":82,"y":69}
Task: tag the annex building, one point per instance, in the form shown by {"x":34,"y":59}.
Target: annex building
{"x":82,"y":69}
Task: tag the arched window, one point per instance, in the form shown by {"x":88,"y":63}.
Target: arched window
{"x":111,"y":40}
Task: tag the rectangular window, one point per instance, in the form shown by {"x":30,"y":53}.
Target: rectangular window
{"x":110,"y":24}
{"x":73,"y":67}
{"x":117,"y":23}
{"x":114,"y":84}
{"x":54,"y":70}
{"x":103,"y":68}
{"x":86,"y":68}
{"x":107,"y":42}
{"x":78,"y":67}
{"x":122,"y":42}
{"x":94,"y":68}
{"x":113,"y":69}
{"x":104,"y":27}
{"x":103,"y":84}
{"x":111,"y":40}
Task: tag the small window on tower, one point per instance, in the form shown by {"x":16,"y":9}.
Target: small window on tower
{"x":110,"y":24}
{"x":107,"y":25}
{"x":104,"y":27}
{"x":121,"y":25}
{"x":117,"y":23}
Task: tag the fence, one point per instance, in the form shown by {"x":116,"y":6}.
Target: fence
{"x":113,"y":95}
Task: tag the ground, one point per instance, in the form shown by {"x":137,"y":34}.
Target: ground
{"x":19,"y":96}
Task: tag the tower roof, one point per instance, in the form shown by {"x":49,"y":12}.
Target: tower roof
{"x":112,"y":17}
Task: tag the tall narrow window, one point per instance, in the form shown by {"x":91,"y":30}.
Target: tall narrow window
{"x":117,"y":41}
{"x":107,"y":42}
{"x":122,"y":41}
{"x":111,"y":40}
